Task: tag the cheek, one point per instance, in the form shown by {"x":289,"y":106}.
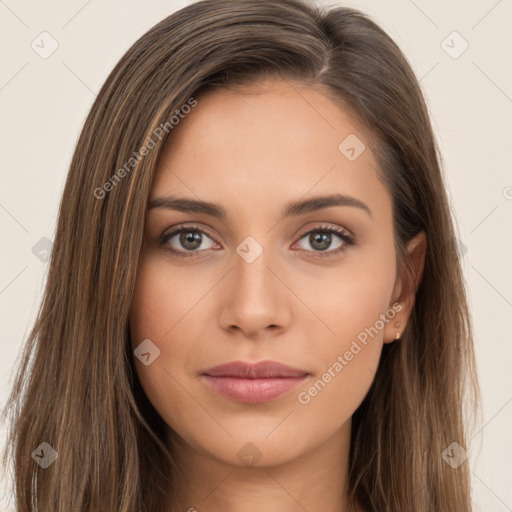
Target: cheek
{"x":331,"y":398}
{"x":350,"y":298}
{"x":165,"y":299}
{"x":165,"y":308}
{"x":147,"y":313}
{"x":354,"y":304}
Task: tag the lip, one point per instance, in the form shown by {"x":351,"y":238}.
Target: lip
{"x":253,"y":382}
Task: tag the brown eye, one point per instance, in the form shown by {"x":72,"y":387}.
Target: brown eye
{"x":321,"y":239}
{"x":186,"y":241}
{"x":190,"y":240}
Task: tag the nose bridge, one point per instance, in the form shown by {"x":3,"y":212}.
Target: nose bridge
{"x":253,"y":279}
{"x":255,"y":296}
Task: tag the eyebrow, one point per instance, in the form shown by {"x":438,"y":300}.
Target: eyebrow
{"x":293,"y":208}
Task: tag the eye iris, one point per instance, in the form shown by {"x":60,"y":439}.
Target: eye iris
{"x":323,"y":238}
{"x":190,"y":237}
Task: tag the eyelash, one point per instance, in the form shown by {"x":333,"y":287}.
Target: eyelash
{"x":341,"y":233}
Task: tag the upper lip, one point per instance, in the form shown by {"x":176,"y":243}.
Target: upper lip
{"x":259,"y":370}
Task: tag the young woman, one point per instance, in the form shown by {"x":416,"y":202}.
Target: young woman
{"x":255,"y":300}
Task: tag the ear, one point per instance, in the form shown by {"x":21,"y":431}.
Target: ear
{"x":406,"y":285}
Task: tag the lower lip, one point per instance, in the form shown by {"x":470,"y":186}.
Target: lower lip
{"x":253,"y":391}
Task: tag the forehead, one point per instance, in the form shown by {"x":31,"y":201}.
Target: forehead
{"x":267,"y":145}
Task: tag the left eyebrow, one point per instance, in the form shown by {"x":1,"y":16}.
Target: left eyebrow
{"x":321,"y":202}
{"x":293,"y":208}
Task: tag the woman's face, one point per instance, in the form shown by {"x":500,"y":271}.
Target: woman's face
{"x":266,"y":280}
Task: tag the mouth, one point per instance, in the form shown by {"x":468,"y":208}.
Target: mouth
{"x":253,"y":382}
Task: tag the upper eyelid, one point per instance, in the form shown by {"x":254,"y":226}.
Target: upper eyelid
{"x":318,"y":226}
{"x":177,"y":229}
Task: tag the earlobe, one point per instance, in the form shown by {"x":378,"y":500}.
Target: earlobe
{"x":394,"y":328}
{"x":407,"y":285}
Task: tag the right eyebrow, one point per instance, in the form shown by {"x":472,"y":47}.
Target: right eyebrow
{"x":182,"y":204}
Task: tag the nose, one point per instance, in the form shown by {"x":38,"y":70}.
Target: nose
{"x":254,"y":299}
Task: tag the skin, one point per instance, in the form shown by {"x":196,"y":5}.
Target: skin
{"x":252,"y":154}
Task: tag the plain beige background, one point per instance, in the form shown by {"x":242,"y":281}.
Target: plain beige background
{"x":466,"y":77}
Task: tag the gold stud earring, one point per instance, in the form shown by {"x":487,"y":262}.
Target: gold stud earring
{"x":398,"y":334}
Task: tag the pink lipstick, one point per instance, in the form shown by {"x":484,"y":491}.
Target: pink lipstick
{"x":253,"y":382}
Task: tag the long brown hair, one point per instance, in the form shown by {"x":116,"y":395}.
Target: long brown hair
{"x":76,"y":387}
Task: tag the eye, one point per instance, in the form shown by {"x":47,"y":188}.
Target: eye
{"x":188,"y":239}
{"x":321,"y":238}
